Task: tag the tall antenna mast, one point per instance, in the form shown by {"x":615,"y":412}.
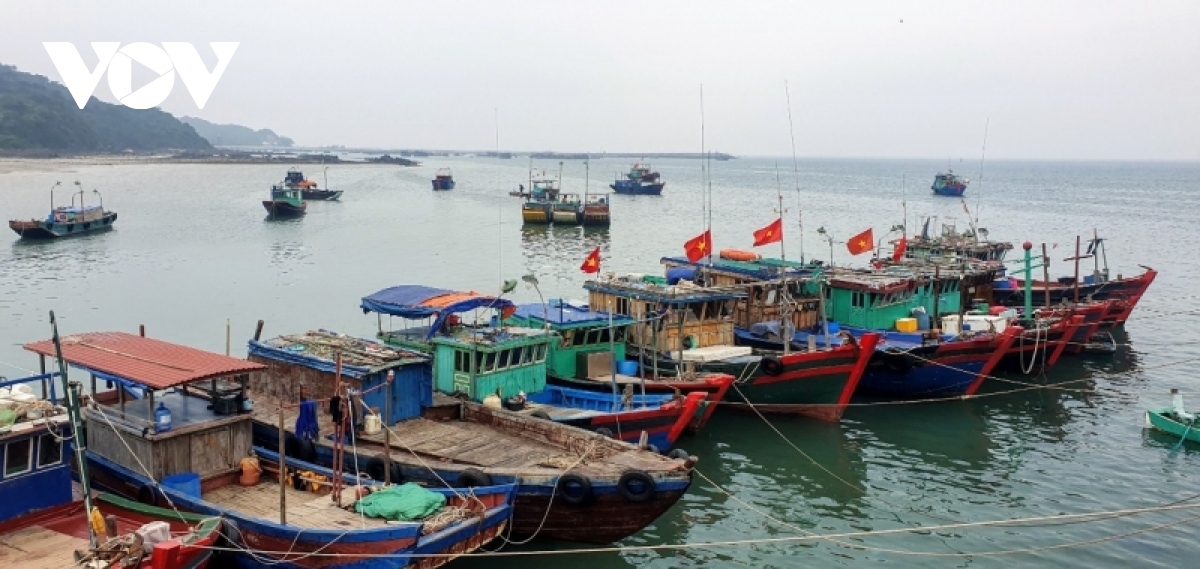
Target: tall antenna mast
{"x":979,"y":191}
{"x":706,"y":196}
{"x":795,"y":172}
{"x":499,"y":210}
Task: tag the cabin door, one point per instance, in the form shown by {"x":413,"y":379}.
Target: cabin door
{"x":212,"y":452}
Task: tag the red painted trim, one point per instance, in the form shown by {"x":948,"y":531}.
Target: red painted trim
{"x":1004,"y":341}
{"x":1066,"y":338}
{"x":866,"y":348}
{"x":689,"y":408}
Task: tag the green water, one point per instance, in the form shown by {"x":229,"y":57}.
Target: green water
{"x":192,"y":249}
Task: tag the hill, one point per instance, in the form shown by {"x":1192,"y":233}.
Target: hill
{"x":236,"y":135}
{"x":37,"y":114}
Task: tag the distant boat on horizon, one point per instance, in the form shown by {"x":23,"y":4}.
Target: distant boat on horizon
{"x":640,"y":180}
{"x":949,"y":184}
{"x":66,"y":221}
{"x":443,"y":180}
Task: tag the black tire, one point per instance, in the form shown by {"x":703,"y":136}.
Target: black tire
{"x":300,"y":449}
{"x":147,"y":495}
{"x":679,"y":454}
{"x":397,"y":474}
{"x":473,"y":477}
{"x":605,"y":432}
{"x":771,"y":366}
{"x":636,"y":486}
{"x":574,"y":489}
{"x":653,"y":449}
{"x":376,"y":469}
{"x":539,"y":414}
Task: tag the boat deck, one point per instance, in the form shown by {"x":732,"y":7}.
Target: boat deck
{"x":37,"y":547}
{"x":304,"y":509}
{"x":468,"y":444}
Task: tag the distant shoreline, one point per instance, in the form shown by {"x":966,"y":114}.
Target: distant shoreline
{"x":58,"y":162}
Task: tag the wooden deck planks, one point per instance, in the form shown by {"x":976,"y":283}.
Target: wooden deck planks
{"x":304,"y":509}
{"x":39,"y":548}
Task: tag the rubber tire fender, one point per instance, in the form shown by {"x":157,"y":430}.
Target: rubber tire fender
{"x":146,"y":494}
{"x":679,"y":454}
{"x":605,"y":432}
{"x":375,"y":468}
{"x":771,"y":366}
{"x":585,"y":495}
{"x":539,"y":414}
{"x":473,"y":477}
{"x":631,"y":477}
{"x":300,"y":449}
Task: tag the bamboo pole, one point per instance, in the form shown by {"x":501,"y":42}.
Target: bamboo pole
{"x":282,"y":469}
{"x":385,"y":420}
{"x":1045,"y":277}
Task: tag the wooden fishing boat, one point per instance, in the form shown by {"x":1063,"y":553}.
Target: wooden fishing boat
{"x":443,"y":180}
{"x":574,"y":485}
{"x":539,"y":200}
{"x":478,"y":362}
{"x":949,"y":184}
{"x":66,"y":221}
{"x":595,"y":211}
{"x":192,"y":450}
{"x":44,"y":524}
{"x":567,"y":210}
{"x":285,"y":202}
{"x":640,"y":180}
{"x":592,"y":352}
{"x":308,"y":188}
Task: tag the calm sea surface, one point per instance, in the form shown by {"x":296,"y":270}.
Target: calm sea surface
{"x":192,"y":249}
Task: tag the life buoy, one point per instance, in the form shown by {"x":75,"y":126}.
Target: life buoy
{"x":473,"y":477}
{"x":739,"y":255}
{"x":636,"y":486}
{"x":574,"y":489}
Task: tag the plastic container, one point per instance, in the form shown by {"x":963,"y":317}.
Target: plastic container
{"x":923,"y":321}
{"x":162,"y":418}
{"x":906,"y":324}
{"x":154,"y":533}
{"x":185,"y":482}
{"x":627,"y":367}
{"x":834,"y":328}
{"x":373,"y":425}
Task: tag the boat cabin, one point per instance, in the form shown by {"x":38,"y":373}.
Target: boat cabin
{"x":34,"y":471}
{"x":668,"y":318}
{"x":161,"y":407}
{"x":310,"y":366}
{"x":876,"y":300}
{"x":589,"y":342}
{"x":426,"y":311}
{"x":769,"y":284}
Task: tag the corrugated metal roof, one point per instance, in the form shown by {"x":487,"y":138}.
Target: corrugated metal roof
{"x":153,"y":363}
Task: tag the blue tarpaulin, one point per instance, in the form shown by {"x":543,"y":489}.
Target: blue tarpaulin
{"x":561,"y":314}
{"x":416,"y":301}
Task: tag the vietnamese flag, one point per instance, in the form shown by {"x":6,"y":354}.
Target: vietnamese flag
{"x":901,"y":247}
{"x":861,"y":243}
{"x":699,"y":247}
{"x":770,"y":234}
{"x":592,"y":263}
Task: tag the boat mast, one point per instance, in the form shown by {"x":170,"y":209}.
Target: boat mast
{"x":795,"y":170}
{"x":71,"y":392}
{"x":979,"y":190}
{"x":56,"y":184}
{"x":785,"y":315}
{"x":705,"y":183}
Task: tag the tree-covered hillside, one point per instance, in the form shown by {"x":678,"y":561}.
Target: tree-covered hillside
{"x":236,"y":135}
{"x":38,"y":114}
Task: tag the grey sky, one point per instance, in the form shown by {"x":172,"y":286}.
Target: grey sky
{"x":1057,"y":79}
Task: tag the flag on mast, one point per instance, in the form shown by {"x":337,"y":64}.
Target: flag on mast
{"x":772,"y":233}
{"x":699,"y":246}
{"x":592,"y":263}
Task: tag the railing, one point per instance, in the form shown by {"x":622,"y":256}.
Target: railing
{"x":47,"y":385}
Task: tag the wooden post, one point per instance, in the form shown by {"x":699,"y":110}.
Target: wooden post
{"x":45,"y":384}
{"x":282,"y":466}
{"x":1045,"y":277}
{"x":1076,"y":269}
{"x":385,"y":420}
{"x":937,"y":295}
{"x":142,"y":330}
{"x":228,"y":333}
{"x":258,"y":331}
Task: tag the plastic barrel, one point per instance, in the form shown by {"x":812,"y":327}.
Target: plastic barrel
{"x":923,"y":321}
{"x":680,"y":274}
{"x":627,"y":367}
{"x":186,"y":482}
{"x":834,"y":328}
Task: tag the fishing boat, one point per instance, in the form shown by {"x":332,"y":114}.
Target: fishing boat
{"x":568,"y":210}
{"x":443,"y":180}
{"x":591,"y":356}
{"x":285,"y":202}
{"x":475,"y":361}
{"x":574,"y":485}
{"x":679,"y":328}
{"x":42,"y":521}
{"x":949,"y":184}
{"x":308,"y":188}
{"x":640,"y":180}
{"x":175,"y":429}
{"x":66,"y":221}
{"x":595,"y":211}
{"x":539,"y":200}
{"x":1174,"y":420}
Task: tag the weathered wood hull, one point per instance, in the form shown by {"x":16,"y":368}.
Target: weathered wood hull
{"x":282,"y":210}
{"x":1125,"y":291}
{"x":321,"y":195}
{"x":1036,"y":351}
{"x":714,"y":387}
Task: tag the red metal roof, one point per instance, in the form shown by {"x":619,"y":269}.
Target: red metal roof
{"x":153,"y":363}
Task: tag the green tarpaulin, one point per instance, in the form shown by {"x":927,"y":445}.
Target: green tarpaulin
{"x":404,"y":503}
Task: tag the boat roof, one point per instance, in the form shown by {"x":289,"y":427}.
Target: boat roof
{"x":419,"y":301}
{"x":491,"y":337}
{"x":636,"y":287}
{"x":318,"y":349}
{"x":563,"y":315}
{"x":76,"y":209}
{"x":153,"y":363}
{"x":765,"y":268}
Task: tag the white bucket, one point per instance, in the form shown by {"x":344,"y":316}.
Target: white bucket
{"x":373,"y":425}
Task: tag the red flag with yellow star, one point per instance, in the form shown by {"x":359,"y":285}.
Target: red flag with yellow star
{"x":699,"y":247}
{"x":861,"y":243}
{"x":772,"y":233}
{"x":592,"y":263}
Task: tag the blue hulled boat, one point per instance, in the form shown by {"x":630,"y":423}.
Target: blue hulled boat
{"x":949,"y":184}
{"x":443,"y":180}
{"x":640,"y":180}
{"x":66,"y":221}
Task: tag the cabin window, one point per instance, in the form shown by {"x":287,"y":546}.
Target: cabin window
{"x":505,"y":359}
{"x":17,"y":457}
{"x":462,"y":361}
{"x":49,"y":451}
{"x":623,"y":306}
{"x":489,"y":362}
{"x":622,"y":333}
{"x":602,"y":336}
{"x":857,"y":299}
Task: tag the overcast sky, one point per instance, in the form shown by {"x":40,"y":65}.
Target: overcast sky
{"x":1076,"y":79}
